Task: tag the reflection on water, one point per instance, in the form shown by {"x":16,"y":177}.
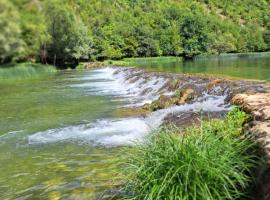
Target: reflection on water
{"x":250,"y":66}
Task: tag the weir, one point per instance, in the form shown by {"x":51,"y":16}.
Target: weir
{"x":136,"y":88}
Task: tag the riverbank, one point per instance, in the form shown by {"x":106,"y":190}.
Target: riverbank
{"x":211,"y":161}
{"x":24,"y":71}
{"x":258,"y":105}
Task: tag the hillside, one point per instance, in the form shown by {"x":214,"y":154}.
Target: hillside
{"x":57,"y":31}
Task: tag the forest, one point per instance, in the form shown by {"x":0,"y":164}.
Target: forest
{"x":69,"y":31}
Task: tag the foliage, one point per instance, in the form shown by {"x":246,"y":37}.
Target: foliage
{"x":73,"y":30}
{"x":207,"y":162}
{"x":24,"y":71}
{"x":69,"y":38}
{"x":10,"y":43}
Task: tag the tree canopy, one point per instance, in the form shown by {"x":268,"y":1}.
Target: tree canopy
{"x":62,"y":31}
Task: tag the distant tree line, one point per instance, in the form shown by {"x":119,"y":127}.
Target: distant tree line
{"x":68,"y":31}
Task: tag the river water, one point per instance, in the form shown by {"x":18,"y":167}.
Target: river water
{"x":245,"y":66}
{"x":60,"y":134}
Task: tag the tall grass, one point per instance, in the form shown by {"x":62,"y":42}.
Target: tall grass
{"x":143,"y":60}
{"x":210,"y":162}
{"x":24,"y":71}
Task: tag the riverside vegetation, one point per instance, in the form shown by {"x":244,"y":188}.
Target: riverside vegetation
{"x":211,"y":161}
{"x":61,"y":32}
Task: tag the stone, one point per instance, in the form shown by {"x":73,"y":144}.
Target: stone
{"x":186,"y":96}
{"x":258,"y":105}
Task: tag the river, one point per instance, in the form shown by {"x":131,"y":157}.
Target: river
{"x":60,"y":134}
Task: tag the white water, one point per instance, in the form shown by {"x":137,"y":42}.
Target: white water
{"x":131,"y":89}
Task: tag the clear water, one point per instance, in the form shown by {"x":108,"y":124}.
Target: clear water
{"x":59,"y":135}
{"x":247,"y":66}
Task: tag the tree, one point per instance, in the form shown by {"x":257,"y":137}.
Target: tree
{"x":70,"y":41}
{"x":10,"y":41}
{"x":266,"y":36}
{"x":224,"y":43}
{"x":33,"y":28}
{"x":195,"y":35}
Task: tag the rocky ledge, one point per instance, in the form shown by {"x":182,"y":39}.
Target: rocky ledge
{"x":258,"y":105}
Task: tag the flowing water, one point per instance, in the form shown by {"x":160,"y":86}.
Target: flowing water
{"x":59,"y":134}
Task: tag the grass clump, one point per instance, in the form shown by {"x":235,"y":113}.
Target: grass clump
{"x":24,"y":71}
{"x":209,"y":162}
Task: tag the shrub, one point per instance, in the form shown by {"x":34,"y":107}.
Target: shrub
{"x":208,"y":162}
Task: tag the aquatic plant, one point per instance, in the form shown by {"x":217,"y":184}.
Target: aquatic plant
{"x":204,"y":162}
{"x":24,"y":71}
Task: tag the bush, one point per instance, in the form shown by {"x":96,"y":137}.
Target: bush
{"x":209,"y":162}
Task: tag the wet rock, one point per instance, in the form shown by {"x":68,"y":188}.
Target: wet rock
{"x":174,"y":84}
{"x":185,"y":96}
{"x":214,"y":83}
{"x":162,"y":102}
{"x":186,"y":119}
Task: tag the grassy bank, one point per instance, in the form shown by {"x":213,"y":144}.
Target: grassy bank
{"x":209,"y":162}
{"x":143,"y":60}
{"x":24,"y":71}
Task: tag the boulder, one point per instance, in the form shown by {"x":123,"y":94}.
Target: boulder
{"x":258,"y":105}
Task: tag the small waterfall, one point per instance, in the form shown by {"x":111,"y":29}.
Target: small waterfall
{"x":135,"y":88}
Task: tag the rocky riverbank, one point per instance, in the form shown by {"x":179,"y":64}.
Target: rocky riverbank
{"x":258,"y":105}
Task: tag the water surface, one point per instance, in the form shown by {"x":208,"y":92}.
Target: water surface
{"x":59,"y":135}
{"x":246,"y":66}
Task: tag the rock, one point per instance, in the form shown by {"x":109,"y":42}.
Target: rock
{"x":187,"y":119}
{"x":162,"y":102}
{"x":214,"y":83}
{"x":258,"y":105}
{"x":186,"y":96}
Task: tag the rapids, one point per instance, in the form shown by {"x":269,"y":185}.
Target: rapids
{"x":59,"y":134}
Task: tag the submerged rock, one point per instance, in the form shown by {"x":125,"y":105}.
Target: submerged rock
{"x":130,"y":112}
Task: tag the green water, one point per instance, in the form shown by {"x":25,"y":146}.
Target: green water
{"x":53,"y":167}
{"x":66,"y":170}
{"x":247,"y":66}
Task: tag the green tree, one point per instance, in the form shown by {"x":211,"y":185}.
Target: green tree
{"x":224,"y":43}
{"x":195,"y":35}
{"x":34,"y":29}
{"x":266,"y":36}
{"x":10,"y":41}
{"x":70,"y":41}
